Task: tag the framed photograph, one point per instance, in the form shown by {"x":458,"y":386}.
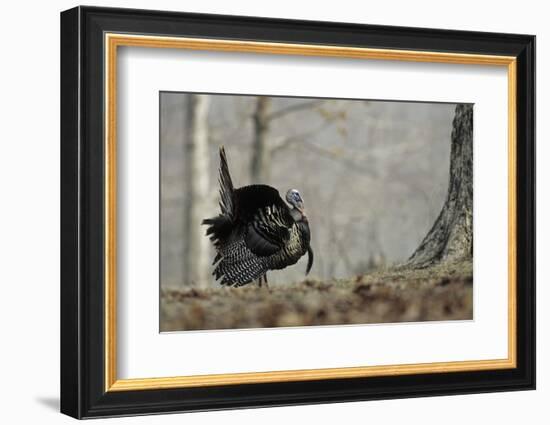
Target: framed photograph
{"x":261,"y":212}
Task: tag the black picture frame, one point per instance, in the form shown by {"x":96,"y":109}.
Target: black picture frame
{"x":83,"y":392}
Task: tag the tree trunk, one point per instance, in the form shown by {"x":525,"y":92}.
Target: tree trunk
{"x":261,"y":155}
{"x":451,"y":236}
{"x":197,"y":246}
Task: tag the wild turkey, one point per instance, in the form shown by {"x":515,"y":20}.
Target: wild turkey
{"x":256,"y":231}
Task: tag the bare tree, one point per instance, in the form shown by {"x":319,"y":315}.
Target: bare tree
{"x":451,"y":236}
{"x":259,"y":166}
{"x":197,"y":249}
{"x":262,"y":147}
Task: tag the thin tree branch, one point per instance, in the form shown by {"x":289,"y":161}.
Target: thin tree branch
{"x":287,"y":141}
{"x":353,"y":165}
{"x":294,"y":108}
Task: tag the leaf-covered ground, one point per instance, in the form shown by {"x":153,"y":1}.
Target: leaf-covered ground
{"x":442,"y":292}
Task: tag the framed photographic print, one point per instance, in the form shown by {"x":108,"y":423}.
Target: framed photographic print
{"x":261,"y":212}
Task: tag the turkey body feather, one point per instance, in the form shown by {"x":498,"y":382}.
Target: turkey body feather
{"x":256,"y":231}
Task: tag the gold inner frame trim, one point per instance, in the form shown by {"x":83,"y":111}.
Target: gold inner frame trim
{"x":113,"y":41}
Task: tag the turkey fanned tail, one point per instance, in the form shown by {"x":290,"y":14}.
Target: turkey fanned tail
{"x":226,"y":186}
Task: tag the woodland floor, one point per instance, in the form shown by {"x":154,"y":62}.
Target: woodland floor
{"x":442,"y":292}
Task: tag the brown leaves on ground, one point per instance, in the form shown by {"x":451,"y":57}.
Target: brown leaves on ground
{"x":443,"y":292}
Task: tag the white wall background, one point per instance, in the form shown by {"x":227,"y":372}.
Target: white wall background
{"x":29,"y":212}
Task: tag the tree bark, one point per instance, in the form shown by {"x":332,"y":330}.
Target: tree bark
{"x":260,"y":162}
{"x":197,"y":247}
{"x":451,"y":236}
